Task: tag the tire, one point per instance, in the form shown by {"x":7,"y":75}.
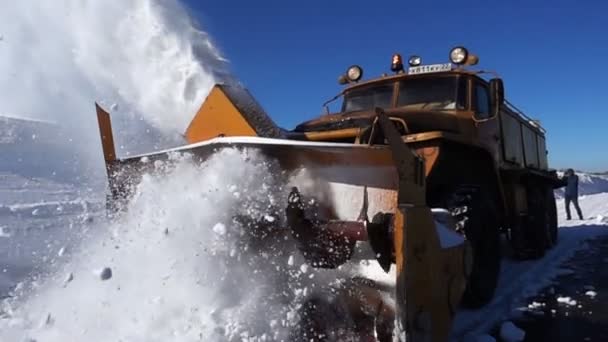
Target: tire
{"x":552,"y":217}
{"x":538,"y":222}
{"x":475,"y":212}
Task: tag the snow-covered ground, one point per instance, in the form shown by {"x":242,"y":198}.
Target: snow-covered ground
{"x":174,"y":276}
{"x":37,"y":217}
{"x":521,"y":280}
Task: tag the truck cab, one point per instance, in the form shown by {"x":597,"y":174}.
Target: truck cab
{"x":480,"y":152}
{"x":438,"y":100}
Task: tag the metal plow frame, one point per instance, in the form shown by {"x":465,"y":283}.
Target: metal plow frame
{"x":430,"y":278}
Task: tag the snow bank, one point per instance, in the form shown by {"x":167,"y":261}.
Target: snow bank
{"x":589,"y":184}
{"x":521,"y":280}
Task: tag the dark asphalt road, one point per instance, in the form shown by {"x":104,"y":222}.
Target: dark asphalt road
{"x":587,"y":320}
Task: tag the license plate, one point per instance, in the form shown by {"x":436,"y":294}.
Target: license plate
{"x":423,"y":69}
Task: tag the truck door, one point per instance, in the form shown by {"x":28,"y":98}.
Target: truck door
{"x":488,"y":129}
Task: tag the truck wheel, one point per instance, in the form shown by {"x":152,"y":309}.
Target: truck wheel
{"x":475,"y":212}
{"x":551,"y":217}
{"x":538,"y":222}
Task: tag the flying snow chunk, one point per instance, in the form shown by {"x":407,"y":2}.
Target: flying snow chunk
{"x":591,"y":293}
{"x":511,"y":333}
{"x":535,"y":305}
{"x":105,"y":273}
{"x":68,"y":278}
{"x":304,"y":268}
{"x":219,"y":228}
{"x":566,"y":300}
{"x":114,"y":107}
{"x":290,"y":261}
{"x":47,"y":320}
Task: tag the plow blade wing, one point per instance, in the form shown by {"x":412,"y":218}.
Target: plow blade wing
{"x":349,"y":184}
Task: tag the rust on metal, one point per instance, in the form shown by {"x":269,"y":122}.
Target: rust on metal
{"x":105,"y":131}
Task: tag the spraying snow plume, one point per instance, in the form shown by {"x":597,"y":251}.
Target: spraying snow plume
{"x":174,"y":268}
{"x":146,"y":60}
{"x":181,"y":265}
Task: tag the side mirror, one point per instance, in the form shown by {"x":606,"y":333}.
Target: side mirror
{"x":497,"y":94}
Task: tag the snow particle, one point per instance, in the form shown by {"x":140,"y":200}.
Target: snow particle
{"x":566,"y":300}
{"x":303,"y":268}
{"x":47,"y":321}
{"x":290,"y":261}
{"x":68,"y":278}
{"x":535,"y":305}
{"x":591,"y":293}
{"x":105,"y":273}
{"x":219,"y":228}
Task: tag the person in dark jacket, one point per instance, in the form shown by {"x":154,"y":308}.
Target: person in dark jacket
{"x":570,"y":179}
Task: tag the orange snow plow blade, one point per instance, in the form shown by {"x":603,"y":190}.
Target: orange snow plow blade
{"x":230,"y":111}
{"x":350,"y":183}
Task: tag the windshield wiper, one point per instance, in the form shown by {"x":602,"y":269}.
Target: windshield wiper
{"x":326,"y":103}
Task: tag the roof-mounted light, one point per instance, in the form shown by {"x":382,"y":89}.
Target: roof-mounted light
{"x":354,"y":73}
{"x":414,"y":61}
{"x":397,"y":63}
{"x":459,"y":55}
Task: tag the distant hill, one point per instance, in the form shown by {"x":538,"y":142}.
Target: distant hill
{"x":589,"y":183}
{"x":35,"y":148}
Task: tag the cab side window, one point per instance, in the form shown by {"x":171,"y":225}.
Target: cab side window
{"x":482,"y":101}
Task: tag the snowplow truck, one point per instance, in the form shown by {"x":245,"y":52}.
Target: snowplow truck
{"x":428,"y":165}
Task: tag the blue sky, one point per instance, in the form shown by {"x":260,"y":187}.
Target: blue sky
{"x":552,"y":55}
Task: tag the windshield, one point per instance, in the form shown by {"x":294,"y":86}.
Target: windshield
{"x":368,"y":98}
{"x":431,"y":93}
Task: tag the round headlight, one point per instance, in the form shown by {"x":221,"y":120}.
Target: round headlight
{"x":415,"y":61}
{"x":459,"y":55}
{"x":354,"y":73}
